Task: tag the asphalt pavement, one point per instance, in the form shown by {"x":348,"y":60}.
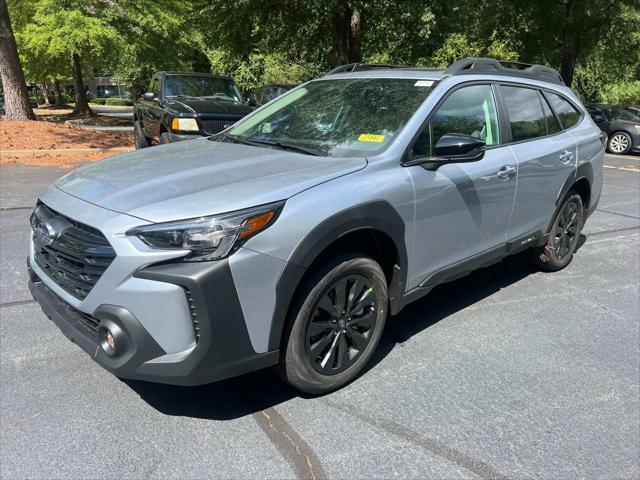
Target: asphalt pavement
{"x":507,"y":373}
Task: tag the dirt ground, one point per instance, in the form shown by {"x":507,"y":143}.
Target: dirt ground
{"x":40,"y":136}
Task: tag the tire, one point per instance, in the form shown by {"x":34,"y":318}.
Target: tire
{"x":563,"y":237}
{"x":141,"y":141}
{"x":323,"y":352}
{"x":619,"y":143}
{"x":165,"y":138}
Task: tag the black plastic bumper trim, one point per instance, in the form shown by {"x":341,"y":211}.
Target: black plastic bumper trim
{"x":224,"y":349}
{"x":134,"y":345}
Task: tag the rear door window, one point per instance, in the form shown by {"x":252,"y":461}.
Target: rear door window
{"x":526,"y":118}
{"x":567,"y":113}
{"x":550,"y":118}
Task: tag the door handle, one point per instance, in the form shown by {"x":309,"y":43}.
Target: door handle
{"x":566,"y":157}
{"x":506,"y":172}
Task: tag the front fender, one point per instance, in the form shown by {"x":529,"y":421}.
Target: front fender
{"x":375,"y":215}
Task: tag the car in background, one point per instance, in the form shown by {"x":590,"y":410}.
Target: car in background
{"x":620,"y":123}
{"x":186,"y":105}
{"x":265,"y":94}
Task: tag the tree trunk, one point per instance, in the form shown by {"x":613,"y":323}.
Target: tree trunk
{"x":16,"y":99}
{"x":46,"y":92}
{"x":56,"y":86}
{"x":570,"y":45}
{"x":346,"y":35}
{"x":82,"y":105}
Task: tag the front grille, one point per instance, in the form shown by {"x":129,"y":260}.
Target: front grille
{"x":211,"y":126}
{"x":86,"y":322}
{"x":78,"y":256}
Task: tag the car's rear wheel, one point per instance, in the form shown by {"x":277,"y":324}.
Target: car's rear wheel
{"x":619,"y":143}
{"x":336,"y":324}
{"x":563,"y":237}
{"x":141,"y":141}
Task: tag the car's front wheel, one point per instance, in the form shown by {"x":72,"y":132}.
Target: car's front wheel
{"x":336,"y":324}
{"x":619,"y":143}
{"x":563,"y":237}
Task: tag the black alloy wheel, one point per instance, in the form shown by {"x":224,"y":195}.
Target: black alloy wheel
{"x":341,"y":324}
{"x":564,"y":235}
{"x":335,"y":323}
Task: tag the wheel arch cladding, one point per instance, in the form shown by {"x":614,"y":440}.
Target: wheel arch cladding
{"x":377,"y":221}
{"x":580,"y":182}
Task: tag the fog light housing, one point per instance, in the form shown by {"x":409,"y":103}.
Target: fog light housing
{"x":107,"y":341}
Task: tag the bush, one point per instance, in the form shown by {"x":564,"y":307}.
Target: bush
{"x":99,"y":101}
{"x":119,"y":102}
{"x":624,"y":93}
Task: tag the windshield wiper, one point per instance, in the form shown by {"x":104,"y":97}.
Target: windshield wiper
{"x":281,"y":145}
{"x":234,"y":139}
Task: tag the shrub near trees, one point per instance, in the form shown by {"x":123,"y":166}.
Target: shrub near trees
{"x":595,"y":44}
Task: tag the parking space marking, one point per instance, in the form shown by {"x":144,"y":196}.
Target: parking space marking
{"x":8,"y":209}
{"x":16,"y":303}
{"x":616,"y":213}
{"x":623,"y":168}
{"x":623,"y":157}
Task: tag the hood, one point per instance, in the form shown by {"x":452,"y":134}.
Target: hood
{"x":199,"y":177}
{"x":208,"y":106}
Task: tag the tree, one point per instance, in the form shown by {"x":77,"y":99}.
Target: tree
{"x":73,"y":33}
{"x":17,"y":104}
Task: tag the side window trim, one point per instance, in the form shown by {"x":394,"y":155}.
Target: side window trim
{"x":503,"y":117}
{"x":545,"y":93}
{"x":435,"y":109}
{"x":543,"y":102}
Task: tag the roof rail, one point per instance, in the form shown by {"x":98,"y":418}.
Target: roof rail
{"x":352,"y":67}
{"x":492,"y":66}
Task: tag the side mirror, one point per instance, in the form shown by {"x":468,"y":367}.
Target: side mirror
{"x":450,"y":148}
{"x":148,"y":96}
{"x":454,"y":147}
{"x":252,"y":102}
{"x":599,"y":119}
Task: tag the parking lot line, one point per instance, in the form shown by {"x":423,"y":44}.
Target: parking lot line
{"x":624,"y":157}
{"x":626,"y":169}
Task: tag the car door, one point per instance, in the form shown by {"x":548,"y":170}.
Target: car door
{"x":599,"y":118}
{"x":462,"y":210}
{"x":150,"y":112}
{"x":546,"y":158}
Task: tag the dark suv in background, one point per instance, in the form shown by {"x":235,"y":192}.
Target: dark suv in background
{"x":181,"y":106}
{"x":621,"y":124}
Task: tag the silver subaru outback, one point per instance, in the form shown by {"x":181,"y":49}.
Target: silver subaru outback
{"x":288,"y":239}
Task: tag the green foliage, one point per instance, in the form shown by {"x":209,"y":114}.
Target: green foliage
{"x":99,"y":101}
{"x":624,"y":93}
{"x":260,"y":69}
{"x":115,"y":101}
{"x":290,"y":41}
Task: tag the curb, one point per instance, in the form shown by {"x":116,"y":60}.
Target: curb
{"x":62,"y":151}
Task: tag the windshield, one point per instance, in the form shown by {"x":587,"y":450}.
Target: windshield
{"x":347,"y":117}
{"x":201,"y":86}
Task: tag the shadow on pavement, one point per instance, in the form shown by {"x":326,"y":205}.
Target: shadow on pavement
{"x":257,"y":391}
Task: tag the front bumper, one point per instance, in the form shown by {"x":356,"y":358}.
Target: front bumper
{"x":178,"y":137}
{"x":223,"y":348}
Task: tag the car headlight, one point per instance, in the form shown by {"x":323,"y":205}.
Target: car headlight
{"x":209,"y":238}
{"x":184,"y":125}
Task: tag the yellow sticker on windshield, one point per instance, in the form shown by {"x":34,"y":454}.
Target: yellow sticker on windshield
{"x":370,"y":137}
